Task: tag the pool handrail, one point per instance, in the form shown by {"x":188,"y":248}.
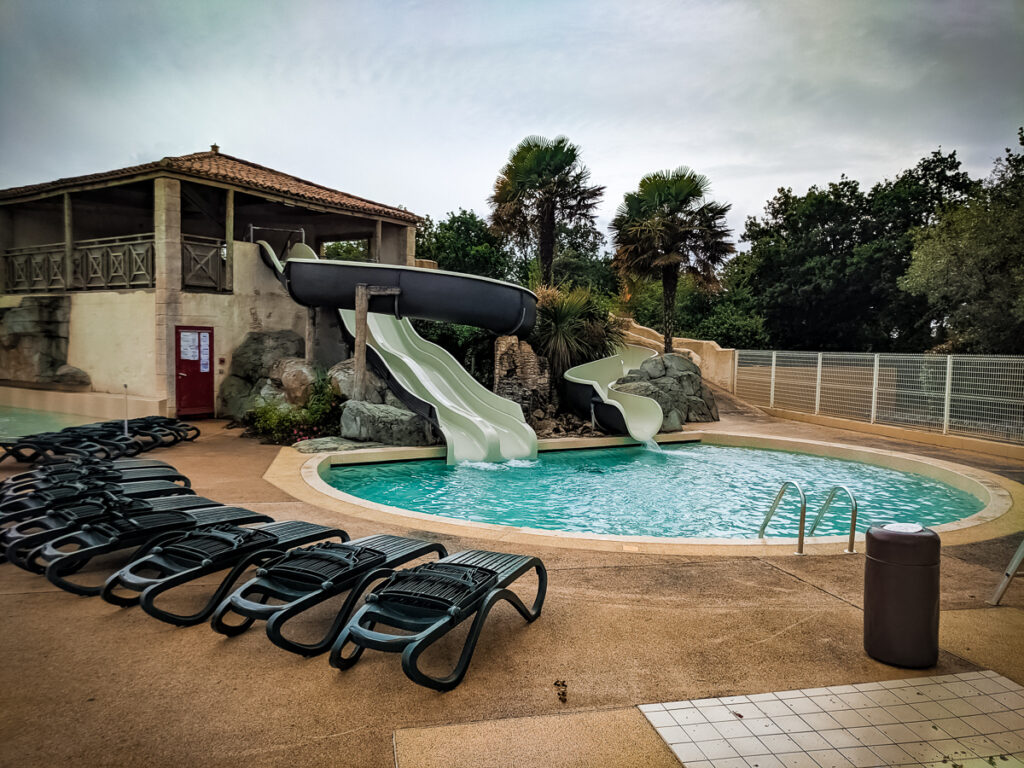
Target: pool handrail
{"x":775,"y":505}
{"x":853,"y":516}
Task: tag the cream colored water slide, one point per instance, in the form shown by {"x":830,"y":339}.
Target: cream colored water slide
{"x":589,"y":387}
{"x":477,"y":424}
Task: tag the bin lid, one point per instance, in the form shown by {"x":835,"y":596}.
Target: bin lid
{"x":903,"y":544}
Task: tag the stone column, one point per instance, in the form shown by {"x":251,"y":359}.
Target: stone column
{"x":167,"y":276}
{"x":6,"y":241}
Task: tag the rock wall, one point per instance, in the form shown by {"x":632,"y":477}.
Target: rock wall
{"x":520,"y":375}
{"x":34,"y":342}
{"x":675,"y":383}
{"x":249,"y":381}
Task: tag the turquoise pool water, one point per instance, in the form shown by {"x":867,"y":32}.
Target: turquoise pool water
{"x":15,"y":422}
{"x":693,"y":490}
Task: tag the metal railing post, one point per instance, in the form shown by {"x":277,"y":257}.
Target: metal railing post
{"x":874,"y":391}
{"x":817,"y":388}
{"x":948,"y":397}
{"x":771,"y":391}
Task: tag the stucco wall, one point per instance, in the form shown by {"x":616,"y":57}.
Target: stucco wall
{"x":111,"y":339}
{"x":259,"y":303}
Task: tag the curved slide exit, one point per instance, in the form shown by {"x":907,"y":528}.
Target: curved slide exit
{"x":477,"y":424}
{"x":589,"y":390}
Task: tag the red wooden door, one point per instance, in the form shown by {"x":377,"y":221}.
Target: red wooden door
{"x":193,"y":370}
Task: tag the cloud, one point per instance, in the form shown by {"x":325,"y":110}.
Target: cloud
{"x":419,"y":103}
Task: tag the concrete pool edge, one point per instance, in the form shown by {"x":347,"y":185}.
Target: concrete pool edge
{"x":299,"y":475}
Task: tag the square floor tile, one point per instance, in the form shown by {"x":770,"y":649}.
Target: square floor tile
{"x":849,"y":718}
{"x":961,"y":689}
{"x":869,"y":736}
{"x":955,"y":727}
{"x":877,"y":716}
{"x":687,"y":752}
{"x":883,"y":698}
{"x":687,"y":716}
{"x":856,"y":700}
{"x":677,"y":704}
{"x":892,"y":754}
{"x":983,"y":724}
{"x":701,"y":732}
{"x":797,"y":760}
{"x":898,"y":732}
{"x":673,"y":734}
{"x":746,"y":710}
{"x":1011,"y":742}
{"x":820,"y":721}
{"x":1011,"y":721}
{"x":905,"y":713}
{"x":778,"y":708}
{"x":659,"y":718}
{"x":650,"y":707}
{"x":756,"y":697}
{"x":789,"y":694}
{"x":716,"y":713}
{"x":791,"y":724}
{"x":960,"y":707}
{"x":780,"y":742}
{"x":748,"y":746}
{"x":802,"y":706}
{"x":839,"y":738}
{"x":927,"y":731}
{"x":862,"y":757}
{"x":985,"y":703}
{"x":829,"y":758}
{"x":868,"y":686}
{"x":731,"y":729}
{"x":829,"y":703}
{"x":932,"y":710}
{"x":764,"y":761}
{"x":730,"y":762}
{"x":762,"y":726}
{"x":922,"y":751}
{"x":716,"y":749}
{"x":809,"y":741}
{"x":1010,"y":699}
{"x":989,"y":685}
{"x":733,"y":699}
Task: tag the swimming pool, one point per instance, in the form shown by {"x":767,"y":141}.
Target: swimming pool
{"x":692,"y":491}
{"x":15,"y":422}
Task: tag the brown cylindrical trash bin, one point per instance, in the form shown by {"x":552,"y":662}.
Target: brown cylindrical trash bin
{"x":901,"y":595}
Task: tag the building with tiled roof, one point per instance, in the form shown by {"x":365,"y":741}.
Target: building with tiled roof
{"x":104,"y":277}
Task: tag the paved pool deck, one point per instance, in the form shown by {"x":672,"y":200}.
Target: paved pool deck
{"x":90,"y":684}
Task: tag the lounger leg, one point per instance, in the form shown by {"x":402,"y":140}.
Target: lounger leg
{"x":275,"y":624}
{"x":150,"y":594}
{"x":218,"y":623}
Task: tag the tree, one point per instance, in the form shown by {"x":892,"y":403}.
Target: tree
{"x":669,"y":226}
{"x":348,"y":250}
{"x":464,"y":243}
{"x":542,"y":185}
{"x":969,"y":266}
{"x":823,"y":267}
{"x":580,"y":259}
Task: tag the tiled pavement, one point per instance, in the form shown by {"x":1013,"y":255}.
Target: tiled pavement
{"x":970,"y":719}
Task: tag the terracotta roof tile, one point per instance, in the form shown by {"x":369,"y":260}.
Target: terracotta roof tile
{"x":216,"y":166}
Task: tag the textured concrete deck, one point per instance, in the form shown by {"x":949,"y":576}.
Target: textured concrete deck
{"x":88,"y":683}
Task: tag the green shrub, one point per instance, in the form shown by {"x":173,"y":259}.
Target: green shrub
{"x":573,"y":326}
{"x":284,"y":425}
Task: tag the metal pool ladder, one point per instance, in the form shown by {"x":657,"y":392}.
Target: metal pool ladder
{"x":853,"y":515}
{"x":817,"y":518}
{"x":775,"y":505}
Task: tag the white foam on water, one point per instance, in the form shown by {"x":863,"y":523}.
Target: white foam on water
{"x":516,"y":463}
{"x":652,"y":445}
{"x":488,"y":466}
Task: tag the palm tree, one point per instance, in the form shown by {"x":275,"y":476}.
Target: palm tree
{"x":543,"y":184}
{"x":669,"y":226}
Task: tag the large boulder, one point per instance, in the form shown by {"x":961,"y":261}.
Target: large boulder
{"x":254,"y":377}
{"x":295,"y":377}
{"x":343,"y":381}
{"x":674,"y":382}
{"x":376,"y":422}
{"x":331,"y":445}
{"x":260,"y":350}
{"x":70,"y":375}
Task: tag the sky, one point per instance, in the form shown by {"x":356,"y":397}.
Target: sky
{"x":419,"y":103}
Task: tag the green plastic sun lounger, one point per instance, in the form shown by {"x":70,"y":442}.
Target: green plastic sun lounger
{"x":21,"y":541}
{"x":66,"y":466}
{"x":431,"y":600}
{"x":68,"y":554}
{"x":185,"y":557}
{"x":308,"y":576}
{"x":53,"y":480}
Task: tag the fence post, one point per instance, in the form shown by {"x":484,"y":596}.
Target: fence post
{"x":817,"y":388}
{"x":771,"y":392}
{"x":948,"y":395}
{"x":874,"y":391}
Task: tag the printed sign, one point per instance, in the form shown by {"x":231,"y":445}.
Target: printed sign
{"x":204,"y":352}
{"x":189,"y":345}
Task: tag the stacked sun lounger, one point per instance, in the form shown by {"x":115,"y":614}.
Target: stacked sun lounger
{"x":61,"y":517}
{"x":102,"y":440}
